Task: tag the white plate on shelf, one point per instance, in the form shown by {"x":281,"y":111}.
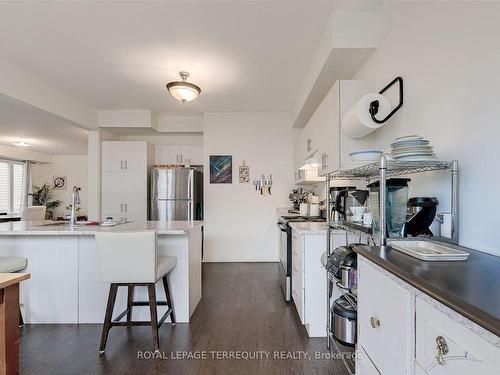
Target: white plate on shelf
{"x":408,"y":138}
{"x":411,"y":154}
{"x":366,"y":155}
{"x":416,"y":142}
{"x":417,"y":158}
{"x":412,"y":151}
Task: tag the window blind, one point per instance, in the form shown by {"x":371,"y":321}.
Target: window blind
{"x":4,"y":187}
{"x":17,"y":188}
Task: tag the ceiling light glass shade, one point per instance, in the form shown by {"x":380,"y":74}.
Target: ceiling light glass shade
{"x":182,"y":90}
{"x":21,"y":144}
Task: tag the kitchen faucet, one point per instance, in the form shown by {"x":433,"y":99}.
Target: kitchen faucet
{"x":75,"y":199}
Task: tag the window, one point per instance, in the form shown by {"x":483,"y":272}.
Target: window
{"x":11,"y":186}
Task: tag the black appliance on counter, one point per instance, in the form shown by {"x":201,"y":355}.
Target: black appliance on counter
{"x":420,"y":215}
{"x":342,"y":264}
{"x":286,"y":250}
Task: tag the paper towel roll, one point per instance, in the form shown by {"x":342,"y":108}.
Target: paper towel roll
{"x":357,"y":121}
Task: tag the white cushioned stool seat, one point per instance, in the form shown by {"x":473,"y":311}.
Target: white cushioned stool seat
{"x":165,"y":265}
{"x":131,"y":259}
{"x":12,"y":264}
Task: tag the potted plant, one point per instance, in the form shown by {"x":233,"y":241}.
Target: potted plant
{"x":42,"y":196}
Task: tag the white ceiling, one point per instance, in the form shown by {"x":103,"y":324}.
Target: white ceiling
{"x":45,"y":132}
{"x":246,"y":56}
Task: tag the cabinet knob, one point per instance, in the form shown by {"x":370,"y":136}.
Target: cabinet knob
{"x":375,"y":323}
{"x":442,"y":349}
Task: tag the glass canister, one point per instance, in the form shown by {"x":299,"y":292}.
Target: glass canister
{"x":396,"y":205}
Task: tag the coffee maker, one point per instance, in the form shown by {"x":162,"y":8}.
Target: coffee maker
{"x":348,"y":198}
{"x":420,"y":215}
{"x":334,"y":193}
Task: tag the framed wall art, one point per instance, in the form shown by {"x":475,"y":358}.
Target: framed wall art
{"x":221,"y":169}
{"x":59,"y":182}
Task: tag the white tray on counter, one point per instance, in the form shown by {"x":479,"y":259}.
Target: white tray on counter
{"x":430,"y":251}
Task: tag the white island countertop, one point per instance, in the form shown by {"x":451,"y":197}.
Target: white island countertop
{"x":54,"y":228}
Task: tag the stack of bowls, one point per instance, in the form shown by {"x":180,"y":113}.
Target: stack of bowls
{"x":412,"y":148}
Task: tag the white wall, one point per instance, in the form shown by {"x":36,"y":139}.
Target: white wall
{"x":448,"y":55}
{"x":240,"y":223}
{"x":74,"y":167}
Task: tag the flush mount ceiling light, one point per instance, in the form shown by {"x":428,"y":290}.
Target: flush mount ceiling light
{"x":183,"y":90}
{"x":21,"y":144}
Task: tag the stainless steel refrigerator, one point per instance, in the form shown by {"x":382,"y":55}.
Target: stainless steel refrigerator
{"x":176,"y":194}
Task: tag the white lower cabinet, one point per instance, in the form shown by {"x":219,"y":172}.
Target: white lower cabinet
{"x":364,"y":366}
{"x":400,"y":332}
{"x":385,"y":321}
{"x":298,"y":275}
{"x":309,"y":279}
{"x":465,"y":352}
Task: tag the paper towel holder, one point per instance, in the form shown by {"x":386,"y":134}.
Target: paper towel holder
{"x":375,"y":104}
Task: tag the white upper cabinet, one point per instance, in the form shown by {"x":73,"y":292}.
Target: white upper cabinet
{"x":328,"y":114}
{"x":135,"y":156}
{"x":323,"y":135}
{"x":124,"y":179}
{"x":193,"y":153}
{"x":124,"y":155}
{"x":167,"y":154}
{"x":179,"y":154}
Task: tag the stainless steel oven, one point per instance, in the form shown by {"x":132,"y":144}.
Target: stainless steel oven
{"x":285,"y":232}
{"x":285,"y":260}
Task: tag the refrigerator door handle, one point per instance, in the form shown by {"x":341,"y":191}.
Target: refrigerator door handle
{"x":190,"y":210}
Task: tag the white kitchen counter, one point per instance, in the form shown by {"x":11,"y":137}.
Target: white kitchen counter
{"x":65,"y":283}
{"x":312,"y":228}
{"x":284,"y":211}
{"x":54,"y":228}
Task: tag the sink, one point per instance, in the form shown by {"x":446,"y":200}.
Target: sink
{"x":430,"y":251}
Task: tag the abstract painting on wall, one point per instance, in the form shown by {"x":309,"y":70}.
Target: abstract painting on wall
{"x":221,"y":169}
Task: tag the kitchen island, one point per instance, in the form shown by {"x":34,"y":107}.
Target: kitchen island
{"x":64,"y":267}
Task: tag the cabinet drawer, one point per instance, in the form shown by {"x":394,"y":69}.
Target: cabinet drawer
{"x":467,"y":352}
{"x":385,"y":320}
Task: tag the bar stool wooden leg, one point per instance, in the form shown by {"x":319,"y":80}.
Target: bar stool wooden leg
{"x":170,"y":304}
{"x":130,"y":302}
{"x":113,"y":288}
{"x":154,"y":318}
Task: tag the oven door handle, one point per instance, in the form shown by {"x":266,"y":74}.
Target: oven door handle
{"x":282,"y":227}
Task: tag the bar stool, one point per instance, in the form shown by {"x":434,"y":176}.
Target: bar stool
{"x":131,"y":259}
{"x":11,"y":265}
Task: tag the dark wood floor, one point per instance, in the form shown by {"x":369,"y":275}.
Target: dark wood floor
{"x":242,"y":309}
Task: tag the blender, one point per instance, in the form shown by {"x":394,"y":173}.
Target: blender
{"x":397,"y":201}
